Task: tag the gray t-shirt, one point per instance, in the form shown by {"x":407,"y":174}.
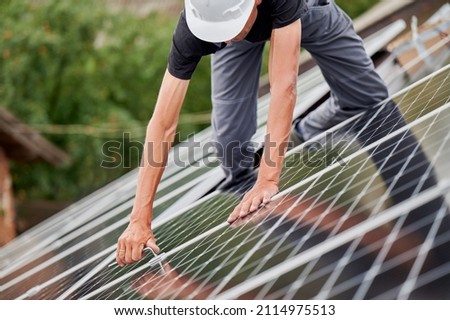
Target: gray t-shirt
{"x":187,"y":50}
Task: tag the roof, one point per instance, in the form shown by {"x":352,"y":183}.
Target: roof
{"x":372,"y":226}
{"x":23,"y":144}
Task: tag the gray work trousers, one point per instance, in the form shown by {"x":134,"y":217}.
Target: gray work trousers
{"x":329,"y":36}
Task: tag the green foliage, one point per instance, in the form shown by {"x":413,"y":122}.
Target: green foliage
{"x":75,"y":63}
{"x":65,"y":63}
{"x":355,"y":8}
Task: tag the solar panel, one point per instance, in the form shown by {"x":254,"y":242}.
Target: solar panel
{"x":363,"y":216}
{"x":313,"y":87}
{"x":49,"y":233}
{"x":330,"y":242}
{"x":328,"y":248}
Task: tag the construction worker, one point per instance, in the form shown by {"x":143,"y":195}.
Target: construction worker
{"x":235,"y":32}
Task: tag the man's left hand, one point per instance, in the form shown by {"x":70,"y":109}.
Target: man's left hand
{"x":260,"y":194}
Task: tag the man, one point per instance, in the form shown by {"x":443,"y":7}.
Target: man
{"x":235,"y":32}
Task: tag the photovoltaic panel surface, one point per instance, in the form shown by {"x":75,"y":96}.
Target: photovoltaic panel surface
{"x":312,"y":87}
{"x":359,"y":207}
{"x":184,"y":172}
{"x":338,"y":243}
{"x":308,"y":232}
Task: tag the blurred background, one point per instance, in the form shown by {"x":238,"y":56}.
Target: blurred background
{"x":79,"y":74}
{"x":78,"y":85}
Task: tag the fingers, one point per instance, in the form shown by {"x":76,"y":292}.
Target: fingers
{"x":255,"y":204}
{"x":120,"y":255}
{"x":128,"y":253}
{"x":234,"y":215}
{"x":253,"y":200}
{"x":129,"y":250}
{"x":152,"y":245}
{"x":247,"y":206}
{"x":239,"y":222}
{"x":266,"y":198}
{"x":136,"y":252}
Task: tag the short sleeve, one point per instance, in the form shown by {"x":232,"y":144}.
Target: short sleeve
{"x":285,"y":12}
{"x":187,"y":50}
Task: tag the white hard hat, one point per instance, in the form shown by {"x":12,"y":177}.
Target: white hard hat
{"x":217,"y":20}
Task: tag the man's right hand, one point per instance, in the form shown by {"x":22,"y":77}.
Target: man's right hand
{"x":132,"y":241}
{"x":159,"y":137}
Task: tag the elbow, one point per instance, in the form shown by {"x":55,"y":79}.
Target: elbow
{"x":162,"y":128}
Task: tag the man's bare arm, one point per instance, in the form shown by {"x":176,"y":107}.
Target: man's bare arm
{"x":283,"y":73}
{"x":159,"y":138}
